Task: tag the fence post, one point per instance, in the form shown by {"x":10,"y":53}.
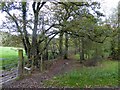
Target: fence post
{"x":20,"y":63}
{"x":32,"y":64}
{"x":41,"y":64}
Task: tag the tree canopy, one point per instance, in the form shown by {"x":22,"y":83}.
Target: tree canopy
{"x":37,"y":25}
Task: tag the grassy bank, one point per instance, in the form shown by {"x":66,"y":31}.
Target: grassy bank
{"x":105,"y":75}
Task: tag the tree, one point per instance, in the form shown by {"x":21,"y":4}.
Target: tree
{"x":113,"y":22}
{"x":66,"y":18}
{"x":10,"y":40}
{"x":32,"y":41}
{"x":66,"y":12}
{"x":119,"y":30}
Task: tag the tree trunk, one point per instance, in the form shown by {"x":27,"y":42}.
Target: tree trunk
{"x":119,"y":30}
{"x":46,"y":51}
{"x":66,"y":46}
{"x":61,"y":44}
{"x":25,"y":38}
{"x":96,"y":50}
{"x":82,"y":50}
{"x":113,"y":53}
{"x":36,"y":6}
{"x":76,"y":45}
{"x":35,"y":45}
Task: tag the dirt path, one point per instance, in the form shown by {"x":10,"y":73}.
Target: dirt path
{"x":36,"y":80}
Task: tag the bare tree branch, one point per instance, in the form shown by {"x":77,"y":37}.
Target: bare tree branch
{"x":41,"y":5}
{"x":33,"y":6}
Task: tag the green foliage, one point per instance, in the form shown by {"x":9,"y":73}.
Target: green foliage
{"x":9,"y":56}
{"x":10,"y":40}
{"x":77,"y":56}
{"x":2,"y":4}
{"x":105,"y":75}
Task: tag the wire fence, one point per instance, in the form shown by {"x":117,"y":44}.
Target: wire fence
{"x":8,"y":73}
{"x":6,"y":76}
{"x":8,"y":67}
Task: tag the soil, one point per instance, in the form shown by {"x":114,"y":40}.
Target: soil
{"x":36,"y":79}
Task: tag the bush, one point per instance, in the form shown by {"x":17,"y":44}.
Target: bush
{"x":93,"y":61}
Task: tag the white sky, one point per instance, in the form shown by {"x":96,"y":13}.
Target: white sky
{"x":107,"y":7}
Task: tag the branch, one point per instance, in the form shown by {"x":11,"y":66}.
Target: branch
{"x":38,"y":4}
{"x":96,"y":40}
{"x":33,"y":6}
{"x":75,"y":34}
{"x":62,"y":3}
{"x":97,"y":12}
{"x":53,"y":25}
{"x":48,"y":42}
{"x":46,"y":46}
{"x":81,"y":4}
{"x":89,"y":37}
{"x":41,"y":5}
{"x":14,"y":19}
{"x":40,"y":41}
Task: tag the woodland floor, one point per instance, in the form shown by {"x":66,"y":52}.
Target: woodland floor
{"x":36,"y":79}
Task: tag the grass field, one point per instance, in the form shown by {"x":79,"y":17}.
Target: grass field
{"x":105,"y":75}
{"x":9,"y":56}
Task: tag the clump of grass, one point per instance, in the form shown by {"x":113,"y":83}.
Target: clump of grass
{"x":105,"y":75}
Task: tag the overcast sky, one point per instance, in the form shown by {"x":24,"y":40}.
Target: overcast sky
{"x":107,"y":7}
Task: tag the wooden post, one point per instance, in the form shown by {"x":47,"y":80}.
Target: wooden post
{"x":41,"y":64}
{"x":32,"y":63}
{"x":20,"y":63}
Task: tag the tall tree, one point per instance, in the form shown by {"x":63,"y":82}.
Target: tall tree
{"x":119,"y":30}
{"x":25,"y":38}
{"x":32,"y":41}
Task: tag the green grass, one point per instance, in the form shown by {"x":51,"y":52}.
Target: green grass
{"x":10,"y":56}
{"x":99,"y":76}
{"x":77,"y":56}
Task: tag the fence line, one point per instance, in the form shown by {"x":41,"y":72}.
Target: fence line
{"x":6,"y":76}
{"x":13,"y":73}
